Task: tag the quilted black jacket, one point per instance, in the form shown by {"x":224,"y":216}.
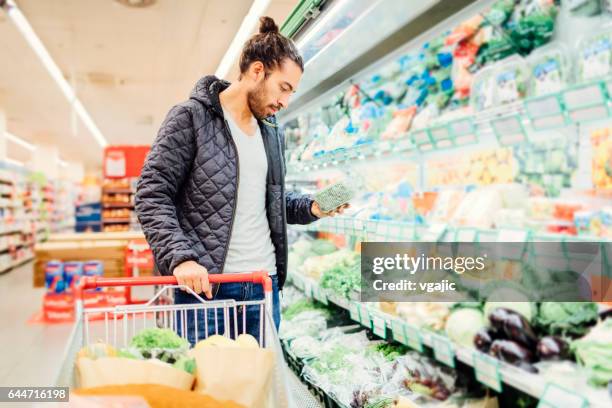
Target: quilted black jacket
{"x":186,"y":194}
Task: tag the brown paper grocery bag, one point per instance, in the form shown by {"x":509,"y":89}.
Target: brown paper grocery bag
{"x":242,"y":375}
{"x":120,"y":371}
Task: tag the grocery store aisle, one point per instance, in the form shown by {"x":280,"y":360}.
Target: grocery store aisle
{"x":30,"y":353}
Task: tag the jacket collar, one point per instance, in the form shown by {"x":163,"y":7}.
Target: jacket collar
{"x":207,"y":91}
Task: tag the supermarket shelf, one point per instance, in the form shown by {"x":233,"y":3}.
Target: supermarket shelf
{"x":9,"y":247}
{"x":389,"y":327}
{"x":505,"y":125}
{"x":12,"y":231}
{"x":117,"y":205}
{"x":439,"y":232}
{"x":116,"y":220}
{"x":117,"y":191}
{"x":17,"y":263}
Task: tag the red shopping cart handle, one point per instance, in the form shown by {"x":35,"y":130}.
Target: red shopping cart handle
{"x":93,"y":282}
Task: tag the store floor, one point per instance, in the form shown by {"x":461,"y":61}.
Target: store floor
{"x":32,"y":354}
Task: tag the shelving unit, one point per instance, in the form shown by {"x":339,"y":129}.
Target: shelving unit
{"x":405,"y":127}
{"x":391,"y":328}
{"x":118,"y":205}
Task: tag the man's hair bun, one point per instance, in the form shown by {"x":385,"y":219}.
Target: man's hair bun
{"x":267,"y":25}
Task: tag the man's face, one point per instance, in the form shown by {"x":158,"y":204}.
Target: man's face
{"x":270,"y":93}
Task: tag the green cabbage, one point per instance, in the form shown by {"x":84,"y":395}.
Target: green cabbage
{"x":463,"y":324}
{"x":594,"y":351}
{"x":567,"y":318}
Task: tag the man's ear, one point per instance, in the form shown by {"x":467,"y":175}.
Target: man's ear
{"x":257,"y":70}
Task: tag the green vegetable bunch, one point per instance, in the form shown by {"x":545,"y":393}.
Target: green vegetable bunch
{"x":567,"y":318}
{"x":300,"y":306}
{"x":155,"y":338}
{"x":343,"y":278}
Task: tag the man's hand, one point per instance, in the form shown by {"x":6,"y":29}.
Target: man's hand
{"x":194,"y":276}
{"x":317,"y":212}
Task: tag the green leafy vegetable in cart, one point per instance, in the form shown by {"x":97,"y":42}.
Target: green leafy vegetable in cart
{"x":155,"y":338}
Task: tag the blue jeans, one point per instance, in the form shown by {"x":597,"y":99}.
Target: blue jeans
{"x":215,"y":319}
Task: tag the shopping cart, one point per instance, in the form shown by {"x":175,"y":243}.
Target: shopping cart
{"x":116,"y":325}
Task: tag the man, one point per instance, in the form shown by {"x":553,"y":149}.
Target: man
{"x":211,"y":197}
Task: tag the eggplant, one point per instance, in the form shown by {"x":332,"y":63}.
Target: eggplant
{"x":518,"y":329}
{"x":483,"y":339}
{"x":510,"y":352}
{"x":552,"y":348}
{"x":498,"y":317}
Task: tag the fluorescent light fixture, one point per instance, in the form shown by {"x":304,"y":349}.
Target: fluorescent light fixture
{"x":20,"y":141}
{"x":246,"y":28}
{"x":14,"y":162}
{"x":30,"y":36}
{"x":316,"y":28}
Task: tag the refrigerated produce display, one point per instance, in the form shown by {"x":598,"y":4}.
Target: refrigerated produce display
{"x":491,"y":126}
{"x":467,"y":126}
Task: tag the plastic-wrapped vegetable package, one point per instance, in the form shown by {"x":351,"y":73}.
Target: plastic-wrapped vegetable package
{"x":307,"y":323}
{"x":549,"y":69}
{"x":511,"y":77}
{"x":595,"y":56}
{"x":483,"y":92}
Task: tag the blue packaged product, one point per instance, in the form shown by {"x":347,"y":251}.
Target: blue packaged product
{"x":54,"y":270}
{"x":445,"y":59}
{"x":72,"y":272}
{"x":93,"y":268}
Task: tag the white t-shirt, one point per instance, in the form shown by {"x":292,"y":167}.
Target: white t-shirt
{"x":250,"y":247}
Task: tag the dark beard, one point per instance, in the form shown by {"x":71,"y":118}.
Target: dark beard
{"x":255,"y":100}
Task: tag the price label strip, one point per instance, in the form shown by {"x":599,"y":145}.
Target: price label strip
{"x":298,"y":282}
{"x":320,"y":295}
{"x":397,"y":332}
{"x":443,"y":350}
{"x":556,"y":396}
{"x":354,"y":312}
{"x":487,"y":371}
{"x":412,"y":337}
{"x":308,"y":288}
{"x":379,"y":326}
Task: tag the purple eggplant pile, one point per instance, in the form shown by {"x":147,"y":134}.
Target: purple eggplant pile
{"x":511,"y":339}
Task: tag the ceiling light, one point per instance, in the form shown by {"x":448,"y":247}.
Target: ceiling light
{"x":17,"y":140}
{"x":14,"y":162}
{"x":30,"y":36}
{"x":246,"y":28}
{"x":62,"y":163}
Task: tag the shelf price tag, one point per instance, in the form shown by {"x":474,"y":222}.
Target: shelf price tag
{"x":509,"y":130}
{"x":407,"y":334}
{"x":435,"y":232}
{"x":354,"y":312}
{"x":443,"y":350}
{"x":298,"y":282}
{"x":517,"y":236}
{"x":397,"y":331}
{"x":319,"y":295}
{"x":308,"y":288}
{"x":487,"y":371}
{"x":359,"y":313}
{"x":379,"y":326}
{"x":557,"y":396}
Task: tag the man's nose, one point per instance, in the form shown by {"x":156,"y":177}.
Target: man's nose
{"x":283,"y":102}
